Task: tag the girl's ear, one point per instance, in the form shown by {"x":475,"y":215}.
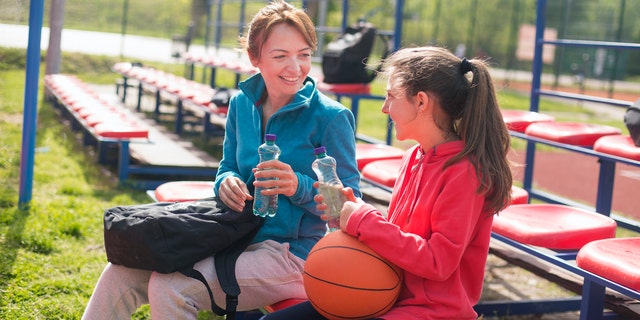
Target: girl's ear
{"x":423,"y":101}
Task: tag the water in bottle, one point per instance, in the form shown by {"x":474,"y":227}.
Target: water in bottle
{"x":330,"y":186}
{"x":266,"y":205}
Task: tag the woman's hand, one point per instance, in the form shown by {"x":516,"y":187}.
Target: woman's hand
{"x":234,"y":192}
{"x":286,"y":181}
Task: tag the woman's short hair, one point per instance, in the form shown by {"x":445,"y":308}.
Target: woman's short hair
{"x":276,"y":12}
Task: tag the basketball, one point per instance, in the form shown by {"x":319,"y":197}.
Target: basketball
{"x":344,"y":279}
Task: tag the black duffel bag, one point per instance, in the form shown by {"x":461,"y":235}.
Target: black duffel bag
{"x":172,"y":237}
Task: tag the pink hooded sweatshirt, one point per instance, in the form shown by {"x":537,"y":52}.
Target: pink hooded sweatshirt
{"x":437,"y":231}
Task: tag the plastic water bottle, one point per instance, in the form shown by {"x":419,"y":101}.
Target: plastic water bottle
{"x":330,"y":186}
{"x":266,"y":205}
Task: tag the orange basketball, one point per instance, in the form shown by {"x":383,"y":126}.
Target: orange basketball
{"x":344,"y":279}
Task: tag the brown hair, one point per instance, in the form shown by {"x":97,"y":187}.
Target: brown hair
{"x":276,"y":12}
{"x":465,"y":93}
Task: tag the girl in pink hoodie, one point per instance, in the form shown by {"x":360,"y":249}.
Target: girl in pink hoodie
{"x":450,"y":185}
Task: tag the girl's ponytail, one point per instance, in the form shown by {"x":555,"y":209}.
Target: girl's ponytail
{"x":486,"y":137}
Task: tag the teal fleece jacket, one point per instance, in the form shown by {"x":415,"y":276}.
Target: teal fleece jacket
{"x":310,"y":120}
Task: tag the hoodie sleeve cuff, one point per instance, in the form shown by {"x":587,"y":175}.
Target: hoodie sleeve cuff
{"x":358,"y":217}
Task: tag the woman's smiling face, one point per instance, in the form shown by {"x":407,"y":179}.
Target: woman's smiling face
{"x":285,"y":60}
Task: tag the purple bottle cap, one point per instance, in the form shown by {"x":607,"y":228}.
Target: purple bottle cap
{"x":319,"y":150}
{"x":270,"y":137}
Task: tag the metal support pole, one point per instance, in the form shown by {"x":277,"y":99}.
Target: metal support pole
{"x":397,"y":32}
{"x":27,"y":153}
{"x":616,"y":53}
{"x":345,"y":14}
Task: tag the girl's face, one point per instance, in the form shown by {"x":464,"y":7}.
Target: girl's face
{"x":403,"y":112}
{"x":285,"y":61}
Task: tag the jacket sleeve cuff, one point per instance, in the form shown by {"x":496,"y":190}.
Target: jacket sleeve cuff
{"x":305,"y":191}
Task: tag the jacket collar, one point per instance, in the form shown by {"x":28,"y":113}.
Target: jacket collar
{"x":254,"y":88}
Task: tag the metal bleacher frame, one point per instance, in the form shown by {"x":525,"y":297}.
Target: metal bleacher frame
{"x":590,"y":301}
{"x":607,"y":162}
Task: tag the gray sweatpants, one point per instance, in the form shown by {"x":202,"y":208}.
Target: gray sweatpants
{"x":267,"y":273}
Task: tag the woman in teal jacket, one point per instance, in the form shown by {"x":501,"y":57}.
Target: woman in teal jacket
{"x":310,"y":120}
{"x":280,"y":100}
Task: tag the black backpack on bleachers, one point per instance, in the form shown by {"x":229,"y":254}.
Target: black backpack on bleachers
{"x":632,"y":122}
{"x":345,"y":59}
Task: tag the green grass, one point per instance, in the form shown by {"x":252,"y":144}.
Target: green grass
{"x":52,"y":250}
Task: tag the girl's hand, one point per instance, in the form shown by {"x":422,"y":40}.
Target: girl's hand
{"x":346,"y":208}
{"x":349,"y":206}
{"x":285,"y":179}
{"x":234,"y":192}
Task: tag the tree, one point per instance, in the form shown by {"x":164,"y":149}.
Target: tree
{"x":56,"y":21}
{"x":198,"y":14}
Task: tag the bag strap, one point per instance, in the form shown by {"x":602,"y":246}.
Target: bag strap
{"x":193,"y":273}
{"x":225,"y":264}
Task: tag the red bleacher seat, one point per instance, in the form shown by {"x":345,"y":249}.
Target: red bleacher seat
{"x":202,"y":97}
{"x":93,"y":119}
{"x":383,"y":172}
{"x":191,"y":90}
{"x":213,"y":61}
{"x":122,"y":67}
{"x":519,"y":120}
{"x":519,"y":195}
{"x":369,"y":152}
{"x":615,"y":259}
{"x":573,"y":133}
{"x":95,"y":108}
{"x":106,"y":120}
{"x":345,"y":88}
{"x":121,"y":130}
{"x":618,"y":145}
{"x":282,"y":304}
{"x":178,"y":191}
{"x":553,"y":226}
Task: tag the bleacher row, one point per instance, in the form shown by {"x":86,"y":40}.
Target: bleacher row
{"x":188,"y":96}
{"x":107,"y":127}
{"x":214,"y":62}
{"x":605,"y":144}
{"x":106,"y":120}
{"x":122,"y":137}
{"x":573,"y":238}
{"x":578,"y":238}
